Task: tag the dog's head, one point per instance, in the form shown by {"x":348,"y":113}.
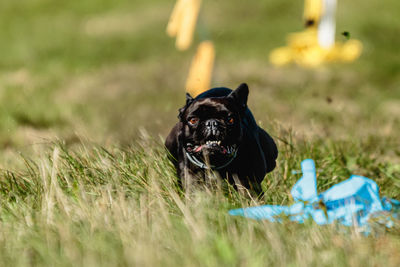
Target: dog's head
{"x":212,"y":127}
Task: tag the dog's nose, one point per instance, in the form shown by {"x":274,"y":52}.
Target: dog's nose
{"x":212,"y":127}
{"x":211,"y":123}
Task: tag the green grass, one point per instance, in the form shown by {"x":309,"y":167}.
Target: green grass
{"x":122,"y":207}
{"x":88,"y":90}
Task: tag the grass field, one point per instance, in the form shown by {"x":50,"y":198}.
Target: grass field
{"x":89,"y":89}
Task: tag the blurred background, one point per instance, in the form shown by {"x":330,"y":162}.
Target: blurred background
{"x":103,"y":71}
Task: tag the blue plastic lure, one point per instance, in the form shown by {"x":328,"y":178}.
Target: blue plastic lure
{"x":353,"y":202}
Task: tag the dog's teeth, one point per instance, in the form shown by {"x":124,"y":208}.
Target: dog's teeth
{"x":210,"y":142}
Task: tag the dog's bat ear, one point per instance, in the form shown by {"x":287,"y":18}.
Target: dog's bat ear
{"x":240,"y":95}
{"x":189,"y":100}
{"x":180,"y":112}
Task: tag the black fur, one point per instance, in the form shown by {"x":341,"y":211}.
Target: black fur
{"x":214,"y":109}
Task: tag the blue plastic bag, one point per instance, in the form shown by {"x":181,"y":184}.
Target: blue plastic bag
{"x":352,"y":202}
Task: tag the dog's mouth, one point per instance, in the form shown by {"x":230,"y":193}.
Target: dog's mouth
{"x":212,"y":147}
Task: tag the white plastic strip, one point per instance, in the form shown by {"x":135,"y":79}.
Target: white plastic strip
{"x":327,"y":25}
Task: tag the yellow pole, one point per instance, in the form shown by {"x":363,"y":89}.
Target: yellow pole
{"x":200,"y":72}
{"x":182,"y":25}
{"x":182,"y":22}
{"x":176,"y":18}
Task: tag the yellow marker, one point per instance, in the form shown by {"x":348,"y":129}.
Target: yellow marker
{"x":188,"y":24}
{"x":182,"y":22}
{"x":176,"y":18}
{"x":181,"y":25}
{"x":200,"y":72}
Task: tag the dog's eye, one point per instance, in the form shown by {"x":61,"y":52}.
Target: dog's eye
{"x":193,"y":121}
{"x":230,"y":120}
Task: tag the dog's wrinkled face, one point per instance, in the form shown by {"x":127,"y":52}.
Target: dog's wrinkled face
{"x":212,"y":126}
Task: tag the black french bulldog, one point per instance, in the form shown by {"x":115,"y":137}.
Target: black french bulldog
{"x":217,"y":131}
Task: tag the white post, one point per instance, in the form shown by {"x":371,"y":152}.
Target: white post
{"x":327,"y":25}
